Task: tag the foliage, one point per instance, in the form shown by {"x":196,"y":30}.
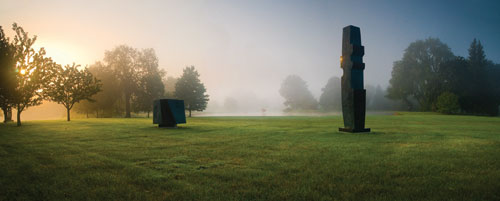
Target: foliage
{"x":416,"y":74}
{"x":150,"y":85}
{"x":31,"y":72}
{"x":331,"y":98}
{"x":70,"y":85}
{"x":447,"y":103}
{"x":107,"y":100}
{"x":169,"y":84}
{"x":480,"y":97}
{"x":123,"y":60}
{"x":297,"y":95}
{"x":7,"y":76}
{"x":190,"y":89}
{"x":407,"y":157}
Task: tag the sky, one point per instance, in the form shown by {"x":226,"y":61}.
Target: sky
{"x":245,"y":49}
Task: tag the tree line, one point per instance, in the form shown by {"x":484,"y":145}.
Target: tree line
{"x":298,"y":97}
{"x":126,"y":81}
{"x":430,"y":77}
{"x":28,"y":76}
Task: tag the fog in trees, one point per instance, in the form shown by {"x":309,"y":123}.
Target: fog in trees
{"x":244,"y":54}
{"x":297,"y":95}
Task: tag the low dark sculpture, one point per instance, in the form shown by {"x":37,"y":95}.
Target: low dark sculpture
{"x":168,"y":112}
{"x":353,"y":92}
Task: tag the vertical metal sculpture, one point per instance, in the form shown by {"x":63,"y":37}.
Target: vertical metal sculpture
{"x":353,"y":92}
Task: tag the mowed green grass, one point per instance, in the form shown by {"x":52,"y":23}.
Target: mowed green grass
{"x":414,"y":156}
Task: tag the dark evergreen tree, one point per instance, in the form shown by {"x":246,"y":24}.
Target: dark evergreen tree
{"x":190,"y":89}
{"x":480,"y":97}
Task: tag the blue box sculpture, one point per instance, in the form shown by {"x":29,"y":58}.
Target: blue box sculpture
{"x":353,"y":92}
{"x":168,"y":112}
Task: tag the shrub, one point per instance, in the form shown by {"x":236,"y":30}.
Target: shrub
{"x":447,"y":103}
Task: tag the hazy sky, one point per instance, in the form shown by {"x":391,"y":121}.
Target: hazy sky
{"x":251,"y":46}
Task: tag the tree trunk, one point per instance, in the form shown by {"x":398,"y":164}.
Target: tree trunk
{"x":87,"y":113}
{"x":408,"y":104}
{"x":6,"y":114}
{"x":67,"y":111}
{"x":18,"y":116}
{"x":189,"y":112}
{"x":9,"y":115}
{"x":127,"y":105}
{"x":97,"y":113}
{"x":148,"y":114}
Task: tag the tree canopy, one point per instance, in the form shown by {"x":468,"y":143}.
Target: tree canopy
{"x":31,"y":71}
{"x":415,"y":75}
{"x":190,"y":89}
{"x":297,"y":95}
{"x":7,"y":76}
{"x":429,"y":70}
{"x":69,"y":85}
{"x":331,"y":98}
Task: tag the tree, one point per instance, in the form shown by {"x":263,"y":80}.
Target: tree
{"x":479,"y":96}
{"x":297,"y":95}
{"x":447,"y":103}
{"x":31,"y":72}
{"x":331,"y":98}
{"x":150,"y":86}
{"x":416,"y":74}
{"x":191,"y":90}
{"x":7,"y":76}
{"x":124,"y":62}
{"x":107,"y":101}
{"x":169,"y":84}
{"x":70,"y":85}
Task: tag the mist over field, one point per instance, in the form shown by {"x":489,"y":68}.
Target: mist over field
{"x":244,"y":50}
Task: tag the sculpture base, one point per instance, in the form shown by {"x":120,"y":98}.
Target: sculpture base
{"x":167,"y":126}
{"x":352,"y":130}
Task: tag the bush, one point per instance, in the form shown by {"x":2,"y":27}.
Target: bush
{"x":447,"y":103}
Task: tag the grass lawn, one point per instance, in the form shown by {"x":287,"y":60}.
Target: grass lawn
{"x":413,"y":156}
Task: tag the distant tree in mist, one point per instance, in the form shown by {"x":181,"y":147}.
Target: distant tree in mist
{"x":230,"y":105}
{"x":415,"y":76}
{"x":169,"y":84}
{"x":297,"y":95}
{"x":7,"y":76}
{"x":31,"y":72}
{"x":331,"y":98}
{"x":379,"y":100}
{"x":190,"y":89}
{"x":150,"y":85}
{"x":123,"y":60}
{"x":107,"y":101}
{"x":69,"y":85}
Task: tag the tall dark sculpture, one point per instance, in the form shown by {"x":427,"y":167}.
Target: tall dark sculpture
{"x":353,"y":92}
{"x":168,"y":112}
